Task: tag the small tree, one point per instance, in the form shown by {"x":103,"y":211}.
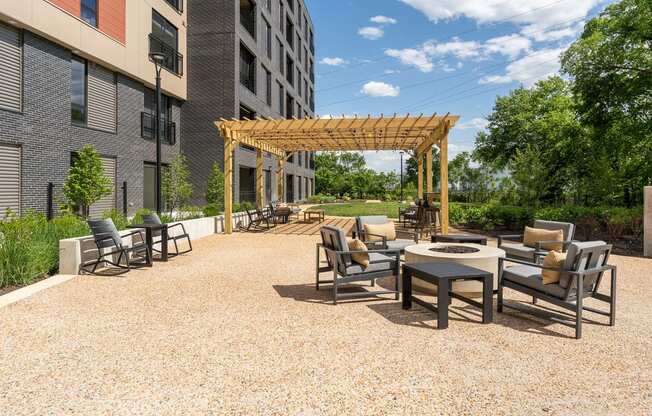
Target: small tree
{"x":86,"y":183}
{"x":175,"y":186}
{"x":215,"y":188}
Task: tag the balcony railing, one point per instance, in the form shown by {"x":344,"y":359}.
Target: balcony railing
{"x":148,"y":129}
{"x":173,"y":59}
{"x":177,"y":4}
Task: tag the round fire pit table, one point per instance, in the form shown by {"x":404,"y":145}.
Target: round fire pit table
{"x":474,"y":255}
{"x":460,"y":238}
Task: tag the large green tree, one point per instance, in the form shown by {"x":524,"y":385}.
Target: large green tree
{"x":611,"y":68}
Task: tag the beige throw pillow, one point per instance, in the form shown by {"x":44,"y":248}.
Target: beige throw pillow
{"x":387,"y":230}
{"x":533,"y":235}
{"x":556,"y":260}
{"x":361,"y":258}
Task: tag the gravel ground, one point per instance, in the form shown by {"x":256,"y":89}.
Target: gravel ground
{"x":236,"y":327}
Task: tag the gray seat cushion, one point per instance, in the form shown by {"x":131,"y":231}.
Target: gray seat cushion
{"x":518,"y":250}
{"x":377,"y":262}
{"x":399,"y":244}
{"x":530,"y":276}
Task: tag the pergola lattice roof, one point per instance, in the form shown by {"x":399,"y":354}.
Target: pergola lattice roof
{"x":340,"y":134}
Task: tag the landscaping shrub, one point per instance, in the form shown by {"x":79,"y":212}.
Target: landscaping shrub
{"x":138,"y":217}
{"x":321,"y":199}
{"x":243,"y":206}
{"x":121,"y":222}
{"x":212,"y":210}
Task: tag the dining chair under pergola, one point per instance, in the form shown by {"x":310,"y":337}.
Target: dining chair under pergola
{"x":282,"y":137}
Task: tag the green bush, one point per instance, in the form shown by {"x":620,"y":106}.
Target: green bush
{"x":121,"y":222}
{"x":138,"y":217}
{"x":189,"y":212}
{"x":321,"y":199}
{"x":212,"y":210}
{"x":243,"y":206}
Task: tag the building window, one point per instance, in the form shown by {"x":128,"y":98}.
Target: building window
{"x":89,"y":11}
{"x":306,"y":62}
{"x":299,"y":111}
{"x":289,"y":31}
{"x":298,"y":84}
{"x":281,"y":98}
{"x":268,"y":87}
{"x":247,"y":69}
{"x":289,"y":107}
{"x":247,"y":113}
{"x":289,"y":70}
{"x":312,"y":71}
{"x":268,"y":38}
{"x":299,"y":14}
{"x":165,"y":40}
{"x":300,"y":158}
{"x":248,"y":16}
{"x":281,"y":56}
{"x":148,"y":119}
{"x":291,"y":4}
{"x":268,"y":4}
{"x":177,"y":4}
{"x":281,"y":16}
{"x":79,"y":96}
{"x":305,"y":27}
{"x":305,"y":90}
{"x":312,"y":43}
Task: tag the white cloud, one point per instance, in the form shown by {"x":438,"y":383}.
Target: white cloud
{"x":552,"y":34}
{"x":380,"y":89}
{"x":334,"y":61}
{"x":412,"y":57}
{"x":456,"y":47}
{"x":474,"y":124}
{"x":392,"y":71}
{"x":383,"y":20}
{"x":510,"y":45}
{"x":371,"y":32}
{"x":529,"y":69}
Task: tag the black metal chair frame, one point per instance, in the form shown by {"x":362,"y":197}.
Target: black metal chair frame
{"x":104,"y":258}
{"x":174,"y":239}
{"x":538,"y":246}
{"x":571,"y":301}
{"x":254,"y":224}
{"x":358,"y":277}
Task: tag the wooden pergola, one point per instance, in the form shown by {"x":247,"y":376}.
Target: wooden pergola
{"x":281,"y":138}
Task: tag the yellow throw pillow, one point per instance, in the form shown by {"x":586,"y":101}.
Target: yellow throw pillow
{"x":361,"y":258}
{"x":556,"y":260}
{"x":387,"y":230}
{"x":533,"y":235}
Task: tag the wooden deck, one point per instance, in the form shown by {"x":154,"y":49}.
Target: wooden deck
{"x":312,"y":227}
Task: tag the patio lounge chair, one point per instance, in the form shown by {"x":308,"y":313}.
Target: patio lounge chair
{"x":258,"y":222}
{"x":410,"y":237}
{"x":383,"y":263}
{"x":515,"y":249}
{"x":581,"y":275}
{"x":280,"y":215}
{"x":172,"y":236}
{"x":109,"y":243}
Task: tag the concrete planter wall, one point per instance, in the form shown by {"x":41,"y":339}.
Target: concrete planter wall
{"x":73,"y":252}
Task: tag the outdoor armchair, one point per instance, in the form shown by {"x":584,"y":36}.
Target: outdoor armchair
{"x":581,"y":275}
{"x":110,"y":243}
{"x":382,"y":263}
{"x":407,"y":238}
{"x":257,"y":222}
{"x":515,"y":249}
{"x":176,"y":232}
{"x":407,"y":215}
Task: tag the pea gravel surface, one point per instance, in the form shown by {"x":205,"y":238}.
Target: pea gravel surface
{"x":236,"y":327}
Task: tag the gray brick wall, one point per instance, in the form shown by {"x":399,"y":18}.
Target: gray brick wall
{"x":47,"y":137}
{"x":214,"y":89}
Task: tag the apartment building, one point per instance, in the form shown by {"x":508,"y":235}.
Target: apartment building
{"x":248,"y":59}
{"x":76,"y":72}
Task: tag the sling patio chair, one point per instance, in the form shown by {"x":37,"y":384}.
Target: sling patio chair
{"x":405,"y":238}
{"x":382,"y":263}
{"x":580,"y":277}
{"x":515,"y":248}
{"x":176,"y":232}
{"x":110,"y":243}
{"x":257,"y":222}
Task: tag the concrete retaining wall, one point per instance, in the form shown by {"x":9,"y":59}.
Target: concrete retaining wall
{"x":73,"y":252}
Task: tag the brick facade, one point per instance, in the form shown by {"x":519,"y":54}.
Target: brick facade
{"x":214,"y":89}
{"x":47,"y":137}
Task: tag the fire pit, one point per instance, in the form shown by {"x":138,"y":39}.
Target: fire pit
{"x":473,"y":255}
{"x":455,"y":249}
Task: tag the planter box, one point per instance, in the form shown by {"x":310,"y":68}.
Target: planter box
{"x":73,"y":252}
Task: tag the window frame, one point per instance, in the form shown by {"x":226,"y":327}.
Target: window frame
{"x":84,"y":122}
{"x":253,"y":69}
{"x":83,"y":7}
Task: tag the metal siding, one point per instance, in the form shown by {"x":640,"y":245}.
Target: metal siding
{"x":102,"y":91}
{"x":9,"y":179}
{"x":108,"y":202}
{"x":10,"y":68}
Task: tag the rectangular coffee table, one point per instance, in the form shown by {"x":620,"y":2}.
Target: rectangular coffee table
{"x":443,"y":274}
{"x":320,"y":214}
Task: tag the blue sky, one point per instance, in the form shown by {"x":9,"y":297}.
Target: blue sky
{"x":426,"y":56}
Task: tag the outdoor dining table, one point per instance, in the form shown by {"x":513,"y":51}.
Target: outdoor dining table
{"x":150,"y":229}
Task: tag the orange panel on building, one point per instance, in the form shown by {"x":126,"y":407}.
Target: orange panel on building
{"x":71,"y":6}
{"x":112,"y":20}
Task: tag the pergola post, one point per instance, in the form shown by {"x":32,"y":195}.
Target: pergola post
{"x":280,"y":180}
{"x":419,"y":176}
{"x":260,"y":180}
{"x":443,"y":172}
{"x":429,"y":188}
{"x":228,"y":184}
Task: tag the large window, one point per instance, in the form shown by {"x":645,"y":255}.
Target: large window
{"x":247,"y":69}
{"x":268,"y":39}
{"x":289,"y":70}
{"x":177,"y":4}
{"x":281,"y":56}
{"x":268,"y":87}
{"x":248,"y":16}
{"x":148,"y":122}
{"x":89,"y":11}
{"x":281,"y":98}
{"x":289,"y":31}
{"x":165,"y":39}
{"x":78,"y":91}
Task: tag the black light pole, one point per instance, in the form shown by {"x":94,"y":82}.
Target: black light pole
{"x":402,"y":176}
{"x":158,"y":59}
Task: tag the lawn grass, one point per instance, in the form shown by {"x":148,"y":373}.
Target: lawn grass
{"x":355,"y":209}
